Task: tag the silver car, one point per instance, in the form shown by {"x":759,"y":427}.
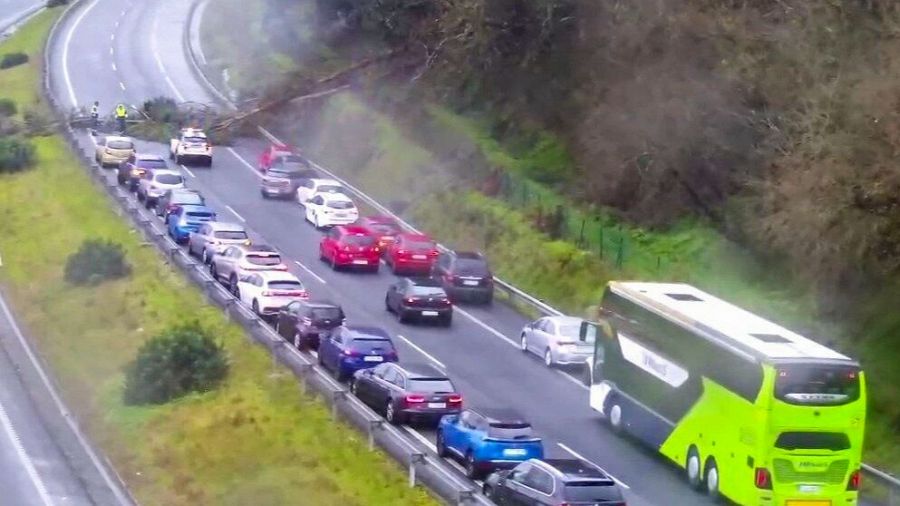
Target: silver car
{"x":155,"y":182}
{"x":236,"y":262}
{"x":556,"y":340}
{"x":212,"y":238}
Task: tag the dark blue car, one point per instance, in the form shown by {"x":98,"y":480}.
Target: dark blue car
{"x":186,"y":219}
{"x":487,"y":439}
{"x":351,"y":348}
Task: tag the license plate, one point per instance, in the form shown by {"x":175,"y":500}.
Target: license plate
{"x":809,"y":489}
{"x":470,"y":282}
{"x":374,"y":358}
{"x":803,"y":502}
{"x":429,"y":313}
{"x":340,"y":215}
{"x":360,"y":262}
{"x":514,"y":452}
{"x":437,"y":405}
{"x":419,"y":257}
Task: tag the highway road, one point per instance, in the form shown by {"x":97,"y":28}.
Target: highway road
{"x":130,"y":50}
{"x":12,"y":10}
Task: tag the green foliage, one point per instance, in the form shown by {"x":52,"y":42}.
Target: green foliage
{"x":57,"y":3}
{"x":8,"y":107}
{"x":15,"y":154}
{"x":176,"y":362}
{"x":163,"y":110}
{"x":13,"y":59}
{"x":38,"y":122}
{"x":96,"y":261}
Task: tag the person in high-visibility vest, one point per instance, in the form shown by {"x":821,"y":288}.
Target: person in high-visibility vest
{"x":121,"y":116}
{"x":95,"y":113}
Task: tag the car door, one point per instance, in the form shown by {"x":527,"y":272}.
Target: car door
{"x":248,"y":288}
{"x":313,"y":206}
{"x":335,"y":347}
{"x":392,"y":295}
{"x":441,"y":266}
{"x":544,"y":336}
{"x":505,"y":495}
{"x":367,"y":383}
{"x":330,"y":243}
{"x":197,"y":240}
{"x":386,"y":384}
{"x":286,"y":322}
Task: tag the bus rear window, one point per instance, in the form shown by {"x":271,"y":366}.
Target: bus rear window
{"x":834,"y":441}
{"x":817,"y":384}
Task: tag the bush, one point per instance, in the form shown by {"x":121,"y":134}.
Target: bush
{"x":13,"y":59}
{"x":96,"y":261}
{"x":174,"y":363}
{"x":56,"y":3}
{"x":8,"y":107}
{"x":38,"y":122}
{"x":163,"y":110}
{"x":15,"y":154}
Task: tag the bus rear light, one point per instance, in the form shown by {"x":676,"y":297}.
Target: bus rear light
{"x":762,"y":478}
{"x":854,"y":481}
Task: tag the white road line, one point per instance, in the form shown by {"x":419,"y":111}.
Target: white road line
{"x":65,"y":56}
{"x":24,"y":458}
{"x":487,"y":327}
{"x":114,"y":67}
{"x":573,"y":380}
{"x":419,"y":437}
{"x":579,"y":456}
{"x":311,"y":273}
{"x":235,"y":213}
{"x":112,"y":37}
{"x":110,"y":51}
{"x":245,"y":163}
{"x":154,"y":48}
{"x":117,"y":23}
{"x":189,"y":172}
{"x":423,"y":352}
{"x":122,"y":85}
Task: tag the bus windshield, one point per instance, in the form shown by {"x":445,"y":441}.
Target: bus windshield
{"x":817,"y":384}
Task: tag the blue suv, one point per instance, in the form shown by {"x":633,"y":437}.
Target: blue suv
{"x":186,"y":219}
{"x":487,"y":439}
{"x":351,"y":348}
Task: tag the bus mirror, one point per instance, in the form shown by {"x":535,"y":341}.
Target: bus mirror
{"x":588,"y":332}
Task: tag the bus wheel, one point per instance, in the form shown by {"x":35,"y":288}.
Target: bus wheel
{"x":615,"y":417}
{"x":712,"y":479}
{"x":692,"y":468}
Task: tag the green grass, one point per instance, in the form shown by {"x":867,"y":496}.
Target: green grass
{"x":18,"y":83}
{"x":255,"y":440}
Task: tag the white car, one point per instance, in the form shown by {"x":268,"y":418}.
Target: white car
{"x":330,"y":209}
{"x":155,"y":182}
{"x":557,"y":340}
{"x":268,"y":291}
{"x":191,"y":144}
{"x":312,"y":186}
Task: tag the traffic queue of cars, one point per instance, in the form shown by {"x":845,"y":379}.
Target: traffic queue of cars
{"x":483,"y":441}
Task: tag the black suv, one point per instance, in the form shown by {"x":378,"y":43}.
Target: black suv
{"x":465,"y":275}
{"x":553,"y":482}
{"x":304,"y":322}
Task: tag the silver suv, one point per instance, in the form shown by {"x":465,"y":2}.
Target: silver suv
{"x":236,"y":262}
{"x":212,"y":238}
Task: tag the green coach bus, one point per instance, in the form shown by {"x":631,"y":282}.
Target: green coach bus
{"x":750,"y":410}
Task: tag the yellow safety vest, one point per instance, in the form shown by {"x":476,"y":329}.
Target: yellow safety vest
{"x":121,"y":112}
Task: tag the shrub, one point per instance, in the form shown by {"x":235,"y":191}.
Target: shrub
{"x":15,"y":154}
{"x":56,"y":3}
{"x":38,"y":122}
{"x":163,"y":110}
{"x":178,"y":361}
{"x":96,"y":261}
{"x":8,"y":107}
{"x":13,"y":59}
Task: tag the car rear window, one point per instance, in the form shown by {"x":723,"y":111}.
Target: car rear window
{"x":420,"y":245}
{"x":286,"y":172}
{"x":169,"y":178}
{"x":326,"y":313}
{"x":341,"y":204}
{"x":366,"y":344}
{"x":230,"y":234}
{"x":385,"y":228}
{"x":591,"y":491}
{"x":468,"y":267}
{"x":195,"y":140}
{"x":428,"y":290}
{"x":285,"y":285}
{"x":199,"y":214}
{"x":187,"y":198}
{"x":330,"y":188}
{"x":264,"y":259}
{"x":293,"y":159}
{"x":834,"y":441}
{"x":151,"y":164}
{"x":358,"y":240}
{"x":506,"y":430}
{"x":431,"y":385}
{"x":120,"y":145}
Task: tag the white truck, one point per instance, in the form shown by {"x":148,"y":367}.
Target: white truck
{"x":191,"y":145}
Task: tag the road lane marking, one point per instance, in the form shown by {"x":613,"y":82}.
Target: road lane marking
{"x":579,"y":456}
{"x":65,"y":56}
{"x":112,"y":37}
{"x":24,"y":458}
{"x":245,"y":163}
{"x":235,"y":213}
{"x":187,"y":170}
{"x":573,"y":380}
{"x":311,"y":273}
{"x":155,"y":50}
{"x":114,"y":67}
{"x":423,"y":352}
{"x":485,"y":326}
{"x":419,"y":437}
{"x":117,"y":23}
{"x":122,"y":85}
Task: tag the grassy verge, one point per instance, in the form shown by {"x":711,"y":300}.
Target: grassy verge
{"x":254,"y":441}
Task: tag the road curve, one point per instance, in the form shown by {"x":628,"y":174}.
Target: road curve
{"x":130,"y":50}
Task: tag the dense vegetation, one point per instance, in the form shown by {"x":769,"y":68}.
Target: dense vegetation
{"x":96,"y":261}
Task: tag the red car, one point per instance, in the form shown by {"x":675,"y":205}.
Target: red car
{"x":273,"y":152}
{"x":414,"y":253}
{"x":350,"y":246}
{"x":384,"y":228}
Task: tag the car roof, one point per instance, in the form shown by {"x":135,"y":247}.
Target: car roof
{"x":363,"y":331}
{"x":415,"y":237}
{"x":196,"y":207}
{"x":334,"y":197}
{"x":565,"y":319}
{"x":193,"y":132}
{"x":425,"y":281}
{"x":421,"y":370}
{"x":576,"y":469}
{"x":157,"y":172}
{"x":278,"y":276}
{"x":226,"y":225}
{"x":501,"y":415}
{"x":353,"y":230}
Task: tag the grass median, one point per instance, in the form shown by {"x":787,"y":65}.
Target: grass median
{"x":256,"y":440}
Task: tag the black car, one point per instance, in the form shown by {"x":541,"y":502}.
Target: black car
{"x":303,"y":322}
{"x":554,"y":482}
{"x":284,"y":176}
{"x":419,"y":297}
{"x":465,"y":275}
{"x":172,"y":199}
{"x":407,"y":392}
{"x":130,"y":172}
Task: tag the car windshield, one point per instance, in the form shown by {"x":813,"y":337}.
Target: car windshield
{"x":358,"y":240}
{"x":340,"y":204}
{"x":286,"y":285}
{"x":286,"y":172}
{"x":367,"y":344}
{"x":330,"y":188}
{"x":468,"y":267}
{"x":230,"y":234}
{"x":428,"y":290}
{"x":590,"y":491}
{"x":169,"y":179}
{"x":420,"y":245}
{"x":120,"y":145}
{"x":431,"y":385}
{"x":326,"y":313}
{"x":195,"y":140}
{"x":264,"y":259}
{"x":151,"y":164}
{"x":187,"y":198}
{"x":200,"y":214}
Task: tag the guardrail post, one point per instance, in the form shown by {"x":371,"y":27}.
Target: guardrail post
{"x":304,"y":371}
{"x":336,"y":396}
{"x":465,"y":497}
{"x":279,"y":344}
{"x":414,"y":459}
{"x":373,"y":425}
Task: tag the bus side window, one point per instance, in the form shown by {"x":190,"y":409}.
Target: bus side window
{"x":588,"y":332}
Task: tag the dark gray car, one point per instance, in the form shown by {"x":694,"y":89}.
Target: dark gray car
{"x":553,"y":482}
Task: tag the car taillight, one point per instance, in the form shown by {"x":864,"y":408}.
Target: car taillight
{"x":411,"y":299}
{"x":391,"y":356}
{"x":762,"y":479}
{"x":350,"y":353}
{"x":854,"y":481}
{"x":280,"y":268}
{"x":415,"y":399}
{"x":455,"y":399}
{"x":450,"y":278}
{"x":445,"y":301}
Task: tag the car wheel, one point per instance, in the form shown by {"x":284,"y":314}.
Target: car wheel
{"x":440,"y":446}
{"x":472,"y":471}
{"x":320,"y":360}
{"x":402,"y":317}
{"x":298,"y":341}
{"x":692,"y":468}
{"x":523,"y":343}
{"x":390,"y":414}
{"x":354,"y":387}
{"x":264,"y":194}
{"x":256,"y":307}
{"x":615,"y":417}
{"x":177,"y":160}
{"x":548,"y":358}
{"x":140,"y":196}
{"x":711,"y":478}
{"x":147,"y":203}
{"x":387,"y":306}
{"x":489,"y":299}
